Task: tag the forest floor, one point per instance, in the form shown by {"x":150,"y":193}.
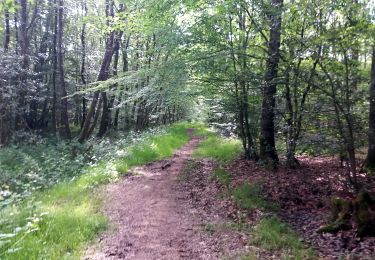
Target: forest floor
{"x":155,"y":217}
{"x":303,"y":197}
{"x":184,"y":208}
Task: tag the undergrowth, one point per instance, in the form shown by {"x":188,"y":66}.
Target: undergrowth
{"x":220,"y":149}
{"x":223,"y":177}
{"x":270,"y":233}
{"x":247,"y":196}
{"x":56,"y":223}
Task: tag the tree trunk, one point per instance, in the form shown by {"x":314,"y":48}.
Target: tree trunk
{"x":83,"y":48}
{"x":54,"y":69}
{"x":125,"y":68}
{"x":7,"y":30}
{"x":96,"y":117}
{"x":241,"y":89}
{"x":16,"y":31}
{"x":106,"y":113}
{"x":24,"y":52}
{"x":291,"y":160}
{"x":43,"y":74}
{"x":65,"y":130}
{"x":268,"y":151}
{"x":103,"y":75}
{"x":23,"y":35}
{"x":370,"y":164}
{"x":83,"y":65}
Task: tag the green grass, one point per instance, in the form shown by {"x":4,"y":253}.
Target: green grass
{"x":223,"y":177}
{"x":57,"y":223}
{"x":201,"y":130}
{"x":53,"y":225}
{"x":248,"y":256}
{"x":155,"y":148}
{"x":272,"y":234}
{"x":220,"y":149}
{"x":247,"y":196}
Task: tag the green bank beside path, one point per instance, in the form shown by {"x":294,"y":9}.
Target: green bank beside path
{"x":57,"y":222}
{"x":268,"y":233}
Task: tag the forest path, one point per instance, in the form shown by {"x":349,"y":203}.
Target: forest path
{"x":155,"y":218}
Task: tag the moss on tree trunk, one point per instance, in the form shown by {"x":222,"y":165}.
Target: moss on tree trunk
{"x":358,"y":213}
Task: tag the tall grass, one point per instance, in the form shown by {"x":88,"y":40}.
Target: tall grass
{"x":57,"y":223}
{"x":155,"y":148}
{"x":273,"y":234}
{"x":219,"y":149}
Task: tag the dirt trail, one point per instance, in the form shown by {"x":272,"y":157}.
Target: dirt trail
{"x":154,"y":218}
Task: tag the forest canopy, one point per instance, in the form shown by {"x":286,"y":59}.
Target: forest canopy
{"x":291,"y":76}
{"x":286,"y":80}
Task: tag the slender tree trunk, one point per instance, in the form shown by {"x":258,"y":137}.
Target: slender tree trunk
{"x":125,"y":68}
{"x":7,"y":30}
{"x":240,"y":118}
{"x":96,"y":117}
{"x":16,"y":37}
{"x":23,"y":34}
{"x":112,"y":98}
{"x":83,"y":48}
{"x":115,"y":73}
{"x":241,"y":93}
{"x":106,"y":113}
{"x":4,"y":124}
{"x":65,"y":130}
{"x":370,"y":164}
{"x":24,"y":52}
{"x":83,"y":65}
{"x":103,"y":75}
{"x":54,"y":69}
{"x":289,"y":121}
{"x":267,"y":140}
{"x":250,"y":148}
{"x":43,"y":120}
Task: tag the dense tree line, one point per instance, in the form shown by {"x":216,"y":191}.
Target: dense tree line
{"x":54,"y":54}
{"x":293,"y":76}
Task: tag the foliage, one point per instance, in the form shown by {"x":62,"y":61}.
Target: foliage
{"x":272,"y":234}
{"x":154,"y":148}
{"x":57,"y":222}
{"x":223,"y":177}
{"x":222,"y":150}
{"x":167,"y":61}
{"x":247,"y":196}
{"x":29,"y":168}
{"x":54,"y":224}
